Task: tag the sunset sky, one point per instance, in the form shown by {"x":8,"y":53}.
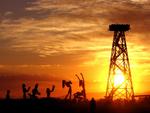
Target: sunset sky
{"x":46,"y":41}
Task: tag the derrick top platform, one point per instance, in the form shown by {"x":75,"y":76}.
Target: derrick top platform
{"x":119,"y":27}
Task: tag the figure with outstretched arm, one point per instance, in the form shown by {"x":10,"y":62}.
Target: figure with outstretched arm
{"x":49,"y":91}
{"x":82,"y":84}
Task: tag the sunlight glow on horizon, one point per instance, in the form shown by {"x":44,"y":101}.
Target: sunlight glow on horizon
{"x":118,"y":78}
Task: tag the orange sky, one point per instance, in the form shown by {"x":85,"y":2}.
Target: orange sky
{"x":46,"y":41}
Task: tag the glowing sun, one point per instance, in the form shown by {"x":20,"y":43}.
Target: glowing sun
{"x":118,"y":78}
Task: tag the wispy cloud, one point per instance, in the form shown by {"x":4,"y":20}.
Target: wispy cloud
{"x":69,"y":26}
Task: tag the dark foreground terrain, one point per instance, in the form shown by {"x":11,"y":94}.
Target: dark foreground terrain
{"x":62,"y":106}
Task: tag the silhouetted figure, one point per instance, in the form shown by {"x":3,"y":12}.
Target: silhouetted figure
{"x":82,"y":84}
{"x":8,"y":94}
{"x":67,"y":84}
{"x":78,"y":96}
{"x":35,"y":92}
{"x":25,"y":90}
{"x":92,"y":105}
{"x":48,"y":91}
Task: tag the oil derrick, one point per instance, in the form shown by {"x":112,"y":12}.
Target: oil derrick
{"x":119,"y":82}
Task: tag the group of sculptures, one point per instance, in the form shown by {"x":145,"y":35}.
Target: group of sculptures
{"x":35,"y":92}
{"x":78,"y":96}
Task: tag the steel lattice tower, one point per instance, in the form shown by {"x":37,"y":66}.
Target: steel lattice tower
{"x":119,"y":82}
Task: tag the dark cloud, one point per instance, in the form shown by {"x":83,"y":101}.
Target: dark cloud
{"x":6,"y":42}
{"x":16,"y":77}
{"x":16,"y":9}
{"x":138,"y":18}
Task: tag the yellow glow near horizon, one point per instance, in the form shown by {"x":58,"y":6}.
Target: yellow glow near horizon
{"x":118,"y":78}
